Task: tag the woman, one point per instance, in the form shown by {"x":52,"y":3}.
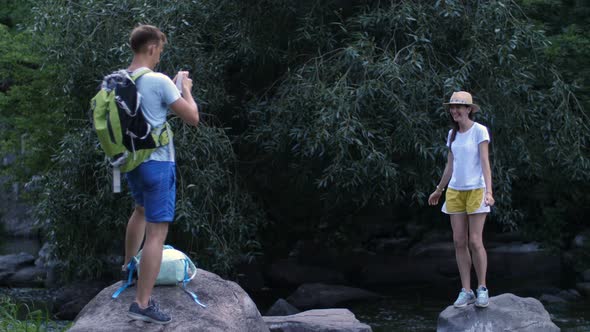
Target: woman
{"x":469,"y":195}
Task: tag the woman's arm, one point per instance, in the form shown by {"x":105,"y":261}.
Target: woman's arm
{"x":487,"y":171}
{"x":446,"y":177}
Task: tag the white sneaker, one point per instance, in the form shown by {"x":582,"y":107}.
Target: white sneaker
{"x":483,"y":299}
{"x":464,"y":298}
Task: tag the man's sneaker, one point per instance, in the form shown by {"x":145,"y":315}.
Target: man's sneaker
{"x":151,"y":314}
{"x":483,"y":299}
{"x":154,"y":303}
{"x":464,"y":298}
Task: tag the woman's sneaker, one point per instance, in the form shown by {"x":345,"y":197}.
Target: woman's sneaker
{"x":151,"y":314}
{"x":483,"y":299}
{"x":464,"y":298}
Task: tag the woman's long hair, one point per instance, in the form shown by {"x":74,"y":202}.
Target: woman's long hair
{"x":455,"y":125}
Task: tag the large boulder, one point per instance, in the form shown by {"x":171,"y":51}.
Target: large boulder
{"x":551,"y":299}
{"x":434,"y":262}
{"x":28,"y":276}
{"x":282,"y":308}
{"x":15,"y":219}
{"x":524,"y":261}
{"x":229,"y":309}
{"x":71,"y":299}
{"x":322,"y":320}
{"x":321,"y":296}
{"x":569,"y":295}
{"x":506,"y":312}
{"x":11,"y":264}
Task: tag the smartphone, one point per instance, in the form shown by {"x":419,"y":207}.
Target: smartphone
{"x":179,"y":79}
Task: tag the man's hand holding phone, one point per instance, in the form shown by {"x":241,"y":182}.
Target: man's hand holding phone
{"x":185,"y":107}
{"x":183,"y":82}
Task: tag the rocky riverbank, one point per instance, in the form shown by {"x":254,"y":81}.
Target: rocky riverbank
{"x":322,"y":277}
{"x":228,"y":308}
{"x":67,"y":302}
{"x":329,"y":279}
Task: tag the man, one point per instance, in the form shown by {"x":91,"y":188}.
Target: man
{"x":153,"y":182}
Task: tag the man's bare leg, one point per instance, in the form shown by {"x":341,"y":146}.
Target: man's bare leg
{"x":151,"y":259}
{"x":135,"y":233}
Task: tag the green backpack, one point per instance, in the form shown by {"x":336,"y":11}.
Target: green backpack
{"x":124,"y":134}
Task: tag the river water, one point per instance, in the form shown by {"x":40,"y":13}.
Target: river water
{"x":418,"y":310}
{"x":405,"y":309}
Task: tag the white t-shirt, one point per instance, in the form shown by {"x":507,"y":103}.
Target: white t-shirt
{"x":157,"y":93}
{"x":467,"y":171}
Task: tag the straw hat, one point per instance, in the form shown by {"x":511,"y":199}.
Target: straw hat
{"x":462,"y":98}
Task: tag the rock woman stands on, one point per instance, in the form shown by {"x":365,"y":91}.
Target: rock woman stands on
{"x":469,"y":194}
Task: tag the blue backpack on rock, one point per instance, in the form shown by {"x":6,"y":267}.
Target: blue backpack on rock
{"x":176,"y":269}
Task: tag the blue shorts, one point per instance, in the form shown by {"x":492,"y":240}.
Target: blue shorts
{"x":153,"y":186}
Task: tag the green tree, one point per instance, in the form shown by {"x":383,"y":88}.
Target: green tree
{"x":566,"y":23}
{"x":362,"y":121}
{"x":30,"y":120}
{"x":321,"y":110}
{"x":15,"y":12}
{"x":216,"y":220}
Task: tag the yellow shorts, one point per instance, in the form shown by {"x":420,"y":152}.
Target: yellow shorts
{"x":465,"y":201}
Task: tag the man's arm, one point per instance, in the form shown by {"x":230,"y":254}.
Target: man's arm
{"x":185,"y":106}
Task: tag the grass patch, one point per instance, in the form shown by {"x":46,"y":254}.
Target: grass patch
{"x":19,"y":318}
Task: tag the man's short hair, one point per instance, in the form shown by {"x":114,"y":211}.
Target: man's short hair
{"x":144,"y":35}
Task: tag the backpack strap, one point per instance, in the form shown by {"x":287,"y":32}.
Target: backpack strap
{"x":140,"y":73}
{"x":170,"y":149}
{"x":194,"y":296}
{"x":188,"y":278}
{"x":117,"y":168}
{"x":166,"y":128}
{"x":129,"y":282}
{"x":116,"y":179}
